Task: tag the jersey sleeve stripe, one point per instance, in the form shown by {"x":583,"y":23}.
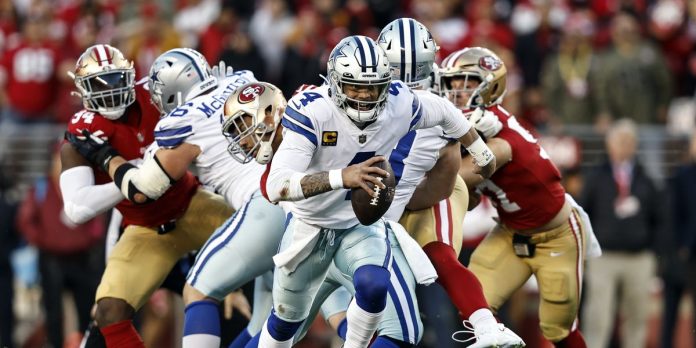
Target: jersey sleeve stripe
{"x":174,"y":133}
{"x":399,"y":154}
{"x":169,"y":143}
{"x":417,"y":111}
{"x":288,"y":124}
{"x":299,"y":118}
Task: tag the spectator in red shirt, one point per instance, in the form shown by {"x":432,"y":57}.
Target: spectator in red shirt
{"x":29,"y":74}
{"x":68,"y":256}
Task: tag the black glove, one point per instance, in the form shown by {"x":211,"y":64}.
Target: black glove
{"x":94,"y":149}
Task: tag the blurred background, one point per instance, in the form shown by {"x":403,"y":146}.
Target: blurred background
{"x":575,"y":67}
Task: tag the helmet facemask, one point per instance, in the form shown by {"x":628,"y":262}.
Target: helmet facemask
{"x":360,"y":109}
{"x":251,"y":120}
{"x":105,"y":81}
{"x":462,"y":90}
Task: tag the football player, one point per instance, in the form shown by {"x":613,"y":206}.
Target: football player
{"x":541,"y":230}
{"x":157,"y":233}
{"x":253,"y":124}
{"x":434,"y":222}
{"x":191,"y":101}
{"x":333,"y":135}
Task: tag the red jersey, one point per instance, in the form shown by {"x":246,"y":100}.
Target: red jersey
{"x":31,"y":77}
{"x":130,"y":135}
{"x":527,"y":191}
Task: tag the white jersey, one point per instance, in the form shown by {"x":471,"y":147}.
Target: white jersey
{"x":319,"y":137}
{"x":198,"y":122}
{"x":414,"y":155}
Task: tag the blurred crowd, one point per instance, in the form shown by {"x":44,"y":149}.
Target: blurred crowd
{"x":572,"y":64}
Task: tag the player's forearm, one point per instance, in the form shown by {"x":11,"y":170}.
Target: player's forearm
{"x":314,"y":184}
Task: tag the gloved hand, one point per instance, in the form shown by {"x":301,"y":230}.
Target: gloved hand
{"x":485,"y":122}
{"x":221,"y":70}
{"x":94,"y":149}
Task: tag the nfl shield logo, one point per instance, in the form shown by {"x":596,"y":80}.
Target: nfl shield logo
{"x":362,"y":138}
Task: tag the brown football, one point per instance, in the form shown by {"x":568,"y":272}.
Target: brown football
{"x":370,"y":209}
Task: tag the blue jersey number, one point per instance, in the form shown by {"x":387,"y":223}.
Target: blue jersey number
{"x":394,"y":88}
{"x":308,"y":98}
{"x":359,"y":158}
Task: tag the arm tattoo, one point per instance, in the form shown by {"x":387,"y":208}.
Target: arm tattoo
{"x":315,"y":184}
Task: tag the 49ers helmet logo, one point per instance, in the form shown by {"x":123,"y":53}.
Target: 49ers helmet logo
{"x":490,"y":63}
{"x":250,"y":93}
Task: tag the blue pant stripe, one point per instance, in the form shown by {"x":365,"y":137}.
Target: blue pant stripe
{"x":409,"y":300}
{"x":207,"y":257}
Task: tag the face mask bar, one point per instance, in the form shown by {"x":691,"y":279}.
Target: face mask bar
{"x":447,"y":91}
{"x":363,"y":107}
{"x":110,"y":91}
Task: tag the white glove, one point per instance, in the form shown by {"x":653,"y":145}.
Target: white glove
{"x":221,"y":70}
{"x":485,"y":122}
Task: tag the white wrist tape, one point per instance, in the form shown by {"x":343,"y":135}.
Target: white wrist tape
{"x":294,"y":188}
{"x":336,"y":179}
{"x":480,"y":152}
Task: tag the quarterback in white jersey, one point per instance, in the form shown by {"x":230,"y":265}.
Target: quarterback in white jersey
{"x":359,"y":116}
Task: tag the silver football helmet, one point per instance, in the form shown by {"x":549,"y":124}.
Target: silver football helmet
{"x":411,"y":51}
{"x":358,"y":65}
{"x":105,"y":81}
{"x":177,"y":76}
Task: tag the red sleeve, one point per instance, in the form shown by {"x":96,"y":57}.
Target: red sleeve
{"x":28,"y":218}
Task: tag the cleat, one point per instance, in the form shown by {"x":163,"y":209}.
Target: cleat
{"x":497,"y":336}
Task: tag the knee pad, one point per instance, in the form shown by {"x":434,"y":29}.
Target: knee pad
{"x":371,"y":285}
{"x":280,"y":329}
{"x":553,"y":332}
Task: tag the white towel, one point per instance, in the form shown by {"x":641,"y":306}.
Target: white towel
{"x":593,"y":249}
{"x":304,"y":237}
{"x":420,"y":264}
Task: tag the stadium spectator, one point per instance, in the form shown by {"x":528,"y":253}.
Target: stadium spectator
{"x":683,"y":190}
{"x":29,"y":74}
{"x":625,"y":209}
{"x":269,"y":27}
{"x":69,"y":258}
{"x":8,"y":241}
{"x":241,"y":52}
{"x":633,"y":78}
{"x":569,"y":75}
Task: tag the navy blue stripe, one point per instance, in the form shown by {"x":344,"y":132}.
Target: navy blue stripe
{"x":399,"y":312}
{"x":409,"y":301}
{"x":295,"y":115}
{"x":363,"y":64}
{"x":195,"y":66}
{"x":299,"y":130}
{"x":416,"y":110}
{"x":168,"y":143}
{"x":371,"y":46}
{"x":224,"y":243}
{"x":399,"y":154}
{"x":402,"y":71}
{"x":172,"y":132}
{"x":412,"y":24}
{"x":388,"y":257}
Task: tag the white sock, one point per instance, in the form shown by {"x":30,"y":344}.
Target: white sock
{"x":200,"y":340}
{"x":267,"y":341}
{"x":361,"y":326}
{"x":482,"y":318}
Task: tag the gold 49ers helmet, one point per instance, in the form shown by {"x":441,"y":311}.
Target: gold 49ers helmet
{"x":105,"y":81}
{"x":251,"y":117}
{"x":477,"y":63}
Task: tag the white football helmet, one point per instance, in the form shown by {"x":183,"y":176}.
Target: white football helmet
{"x":177,"y":76}
{"x":358,"y":62}
{"x":105,"y":81}
{"x":264,"y":104}
{"x":411,"y":51}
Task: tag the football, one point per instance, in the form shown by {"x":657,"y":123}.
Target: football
{"x":370,"y":209}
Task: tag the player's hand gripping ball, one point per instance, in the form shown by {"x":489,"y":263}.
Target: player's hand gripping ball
{"x":369,"y":209}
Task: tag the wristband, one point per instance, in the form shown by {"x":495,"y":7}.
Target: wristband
{"x":336,"y":179}
{"x":480,"y":152}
